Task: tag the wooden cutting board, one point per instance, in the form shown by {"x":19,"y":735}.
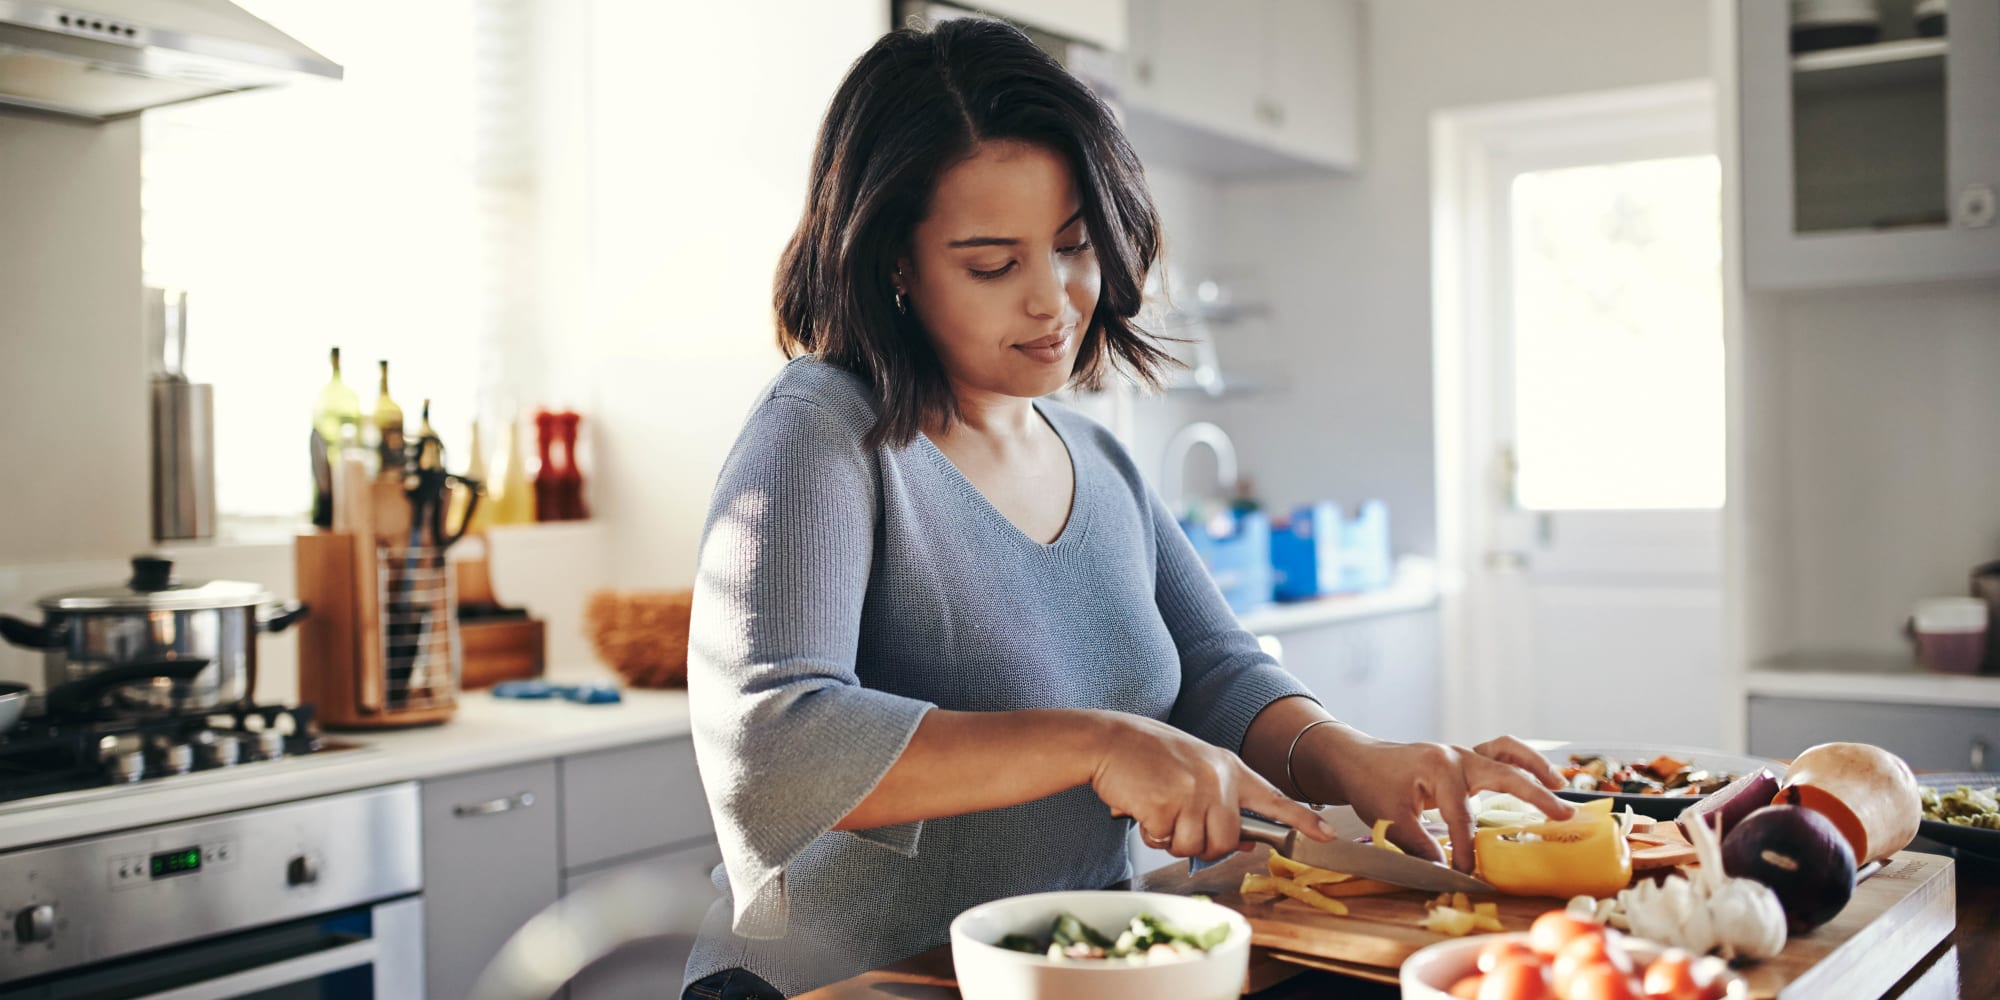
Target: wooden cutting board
{"x":1895,"y":918}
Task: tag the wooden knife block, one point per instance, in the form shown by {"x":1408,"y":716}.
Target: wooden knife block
{"x":381,"y":648}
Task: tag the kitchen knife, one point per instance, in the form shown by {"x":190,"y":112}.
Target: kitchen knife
{"x":1343,"y":854}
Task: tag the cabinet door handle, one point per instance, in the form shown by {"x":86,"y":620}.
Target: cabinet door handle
{"x":1977,"y":759}
{"x":493,"y":807}
{"x":1976,"y":206}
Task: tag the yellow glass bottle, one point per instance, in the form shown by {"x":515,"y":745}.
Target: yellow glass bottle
{"x":512,"y":495}
{"x":388,"y":420}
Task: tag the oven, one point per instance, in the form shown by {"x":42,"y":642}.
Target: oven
{"x":319,"y":898}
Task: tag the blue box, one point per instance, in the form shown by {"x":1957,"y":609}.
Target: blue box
{"x":1236,"y":548}
{"x":1319,"y":551}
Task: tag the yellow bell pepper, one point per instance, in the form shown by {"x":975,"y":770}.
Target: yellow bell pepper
{"x":1583,"y":856}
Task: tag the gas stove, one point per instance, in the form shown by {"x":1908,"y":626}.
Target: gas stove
{"x":41,"y":757}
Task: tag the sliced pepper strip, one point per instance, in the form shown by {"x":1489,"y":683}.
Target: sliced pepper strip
{"x":1255,"y":884}
{"x":1303,"y":873}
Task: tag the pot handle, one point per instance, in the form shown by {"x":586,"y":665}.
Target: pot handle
{"x":281,"y":616}
{"x":79,"y":697}
{"x":29,"y":635}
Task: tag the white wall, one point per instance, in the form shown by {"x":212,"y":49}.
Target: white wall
{"x":73,"y":376}
{"x":702,"y":119}
{"x":1346,"y":261}
{"x":1883,"y":424}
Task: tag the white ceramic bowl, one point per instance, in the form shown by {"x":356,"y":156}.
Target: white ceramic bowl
{"x":987,"y":971}
{"x":1430,"y":973}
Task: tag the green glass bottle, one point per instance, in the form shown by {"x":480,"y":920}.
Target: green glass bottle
{"x":338,"y":415}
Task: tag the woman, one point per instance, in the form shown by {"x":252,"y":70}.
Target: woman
{"x":947,"y":644}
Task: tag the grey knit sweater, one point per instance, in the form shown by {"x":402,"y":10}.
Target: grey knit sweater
{"x":843,"y":591}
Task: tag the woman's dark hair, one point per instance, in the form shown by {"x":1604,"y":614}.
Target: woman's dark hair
{"x":913,"y":105}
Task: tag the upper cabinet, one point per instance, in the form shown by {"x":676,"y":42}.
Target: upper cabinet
{"x":1872,"y":156}
{"x":1258,"y":87}
{"x":1098,"y":22}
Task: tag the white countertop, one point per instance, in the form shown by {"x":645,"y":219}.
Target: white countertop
{"x":1869,"y":678}
{"x":1414,"y":589}
{"x":487,"y":732}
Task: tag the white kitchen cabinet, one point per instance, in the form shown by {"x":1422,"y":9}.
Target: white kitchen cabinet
{"x":1929,"y":737}
{"x":1098,"y":22}
{"x":1873,"y":164}
{"x":1261,"y":87}
{"x":651,"y":968}
{"x":1379,"y":674}
{"x":491,"y":862}
{"x":630,"y":801}
{"x":502,"y":845}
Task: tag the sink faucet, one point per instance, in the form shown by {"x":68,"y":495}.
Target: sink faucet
{"x":1174,"y":465}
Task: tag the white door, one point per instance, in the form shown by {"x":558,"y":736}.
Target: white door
{"x":1581,"y":461}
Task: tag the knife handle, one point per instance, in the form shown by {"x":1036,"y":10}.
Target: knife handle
{"x":1257,"y":830}
{"x":1263,"y":831}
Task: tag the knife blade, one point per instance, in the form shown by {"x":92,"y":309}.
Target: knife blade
{"x":1342,"y":854}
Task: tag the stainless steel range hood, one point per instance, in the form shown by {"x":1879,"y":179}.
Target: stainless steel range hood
{"x":113,"y":58}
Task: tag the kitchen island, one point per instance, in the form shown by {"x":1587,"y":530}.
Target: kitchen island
{"x":1968,"y":965}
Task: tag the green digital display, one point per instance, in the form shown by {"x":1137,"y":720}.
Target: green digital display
{"x":178,"y":862}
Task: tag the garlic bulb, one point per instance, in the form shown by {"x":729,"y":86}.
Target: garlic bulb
{"x":1673,"y":911}
{"x":1749,"y":920}
{"x":1710,"y":912}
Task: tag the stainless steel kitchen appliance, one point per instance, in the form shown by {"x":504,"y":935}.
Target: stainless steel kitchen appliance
{"x":73,"y":747}
{"x":105,"y":59}
{"x":183,"y":427}
{"x":156,"y":617}
{"x":318,"y":897}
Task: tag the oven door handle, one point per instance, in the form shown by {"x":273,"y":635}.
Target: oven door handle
{"x":267,"y":977}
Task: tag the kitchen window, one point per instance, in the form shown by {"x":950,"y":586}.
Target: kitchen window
{"x":391,"y":214}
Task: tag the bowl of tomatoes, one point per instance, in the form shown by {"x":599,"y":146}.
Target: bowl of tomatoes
{"x":1565,"y":958}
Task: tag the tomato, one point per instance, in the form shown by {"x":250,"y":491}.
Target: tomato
{"x":1554,"y":929}
{"x":1588,"y":951}
{"x":1516,"y":979}
{"x":1601,"y":982}
{"x":1671,"y":977}
{"x":1498,"y":951}
{"x":1467,"y":988}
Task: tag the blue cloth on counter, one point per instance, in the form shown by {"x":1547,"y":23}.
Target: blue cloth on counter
{"x":582,"y":694}
{"x":842,"y":592}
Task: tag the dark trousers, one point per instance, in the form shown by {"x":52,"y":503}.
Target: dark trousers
{"x":731,"y":984}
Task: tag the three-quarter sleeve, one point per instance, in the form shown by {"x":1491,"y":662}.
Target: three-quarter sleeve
{"x":1226,"y":677}
{"x":787,"y":739}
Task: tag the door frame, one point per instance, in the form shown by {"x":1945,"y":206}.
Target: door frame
{"x":1473,"y":150}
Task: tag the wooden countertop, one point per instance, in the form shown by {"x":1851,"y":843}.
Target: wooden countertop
{"x":1971,"y":960}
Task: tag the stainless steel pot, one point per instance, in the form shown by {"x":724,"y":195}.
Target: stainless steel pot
{"x":154,"y":617}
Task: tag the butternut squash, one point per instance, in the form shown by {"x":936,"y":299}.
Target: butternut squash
{"x":1869,"y":793}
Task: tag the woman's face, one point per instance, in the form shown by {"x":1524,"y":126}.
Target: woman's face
{"x":1001,"y":273}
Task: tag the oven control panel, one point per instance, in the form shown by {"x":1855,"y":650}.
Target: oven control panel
{"x":131,"y":871}
{"x":86,"y":901}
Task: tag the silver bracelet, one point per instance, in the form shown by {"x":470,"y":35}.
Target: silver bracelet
{"x":1289,"y":776}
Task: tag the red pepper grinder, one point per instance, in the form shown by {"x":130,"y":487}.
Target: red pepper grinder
{"x":570,"y":475}
{"x":548,"y":490}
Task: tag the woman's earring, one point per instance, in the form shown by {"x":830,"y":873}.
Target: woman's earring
{"x":902,"y":305}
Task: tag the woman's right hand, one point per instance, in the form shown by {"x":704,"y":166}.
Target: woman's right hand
{"x":1185,"y":793}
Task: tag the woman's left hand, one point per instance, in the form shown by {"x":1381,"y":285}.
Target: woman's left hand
{"x":1398,"y":781}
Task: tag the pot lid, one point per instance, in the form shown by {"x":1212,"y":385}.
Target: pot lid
{"x":153,"y":587}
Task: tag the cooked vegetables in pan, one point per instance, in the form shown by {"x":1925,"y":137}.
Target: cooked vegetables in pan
{"x":1964,"y":806}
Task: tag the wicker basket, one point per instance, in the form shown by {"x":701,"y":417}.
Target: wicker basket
{"x":642,"y":634}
